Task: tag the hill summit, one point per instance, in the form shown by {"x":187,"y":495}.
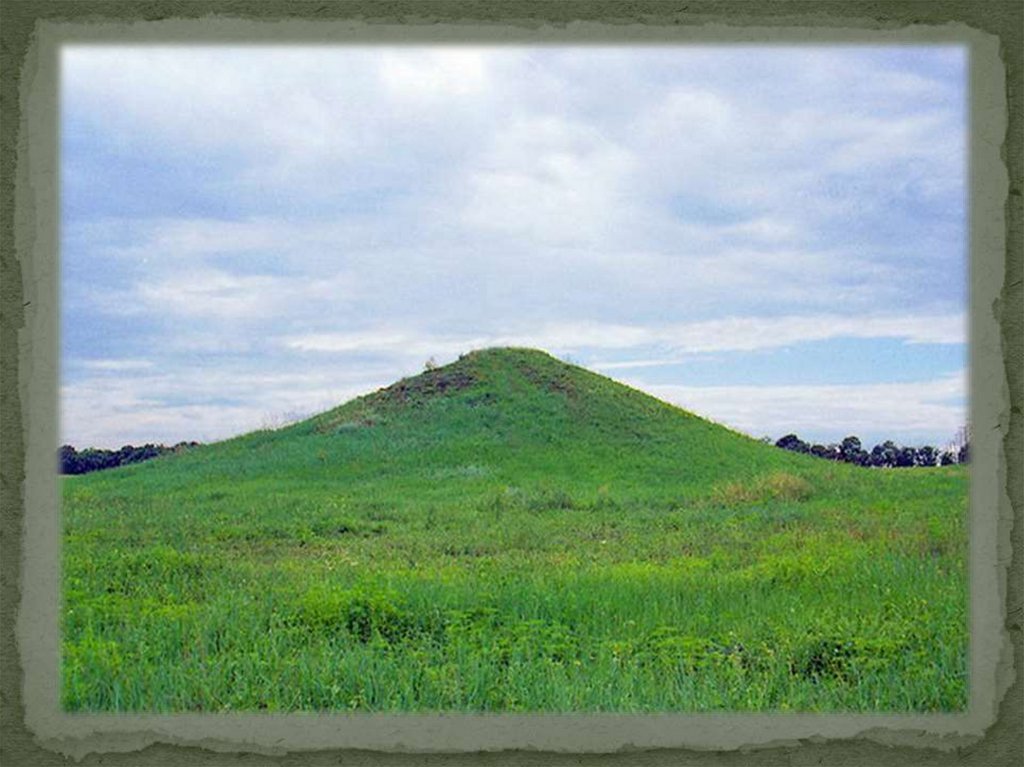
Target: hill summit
{"x":523,"y":413}
{"x":524,"y":386}
{"x":493,"y":373}
{"x":492,"y":420}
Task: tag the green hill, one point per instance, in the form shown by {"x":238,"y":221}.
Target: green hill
{"x":510,"y":532}
{"x":497,"y":417}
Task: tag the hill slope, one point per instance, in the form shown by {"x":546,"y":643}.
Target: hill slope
{"x":507,"y":416}
{"x":504,"y":533}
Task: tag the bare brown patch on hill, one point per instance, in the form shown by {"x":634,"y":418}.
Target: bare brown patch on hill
{"x":412,"y":392}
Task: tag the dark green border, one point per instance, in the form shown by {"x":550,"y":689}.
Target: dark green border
{"x":1003,"y":744}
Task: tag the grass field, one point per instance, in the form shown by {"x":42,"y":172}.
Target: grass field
{"x":510,"y":533}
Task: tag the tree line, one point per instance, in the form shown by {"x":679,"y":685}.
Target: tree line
{"x":95,"y":459}
{"x":886,"y":455}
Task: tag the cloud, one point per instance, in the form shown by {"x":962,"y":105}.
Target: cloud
{"x":432,"y":74}
{"x":728,"y":334}
{"x":324,"y":119}
{"x":383,"y":341}
{"x":904,"y":412}
{"x":349,"y":271}
{"x":328,"y":206}
{"x":213,"y":293}
{"x":750,"y":333}
{"x":113,"y":406}
{"x":183,"y":239}
{"x":205,"y":294}
{"x":445,"y":153}
{"x":633,"y":364}
{"x":117,"y":365}
{"x":549,"y":181}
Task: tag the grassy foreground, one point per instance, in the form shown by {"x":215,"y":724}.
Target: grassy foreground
{"x":510,"y":533}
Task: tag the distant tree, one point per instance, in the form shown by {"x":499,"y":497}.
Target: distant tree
{"x":92,"y":459}
{"x":851,"y":451}
{"x":964,"y":454}
{"x":849,"y":447}
{"x":430,"y":364}
{"x":884,"y":455}
{"x":68,"y":458}
{"x":793,"y":443}
{"x":905,"y":456}
{"x":926,"y":456}
{"x":875,"y":457}
{"x":828,"y":452}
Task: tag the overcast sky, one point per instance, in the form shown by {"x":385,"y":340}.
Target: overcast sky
{"x":773,"y":238}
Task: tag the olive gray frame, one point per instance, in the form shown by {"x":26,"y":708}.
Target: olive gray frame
{"x":36,"y":243}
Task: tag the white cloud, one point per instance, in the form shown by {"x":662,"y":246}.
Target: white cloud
{"x":648,"y":203}
{"x":548,"y":181}
{"x":184,"y":239}
{"x":207,"y":267}
{"x":430,"y":74}
{"x":750,"y":333}
{"x":212,"y":293}
{"x":905,"y":412}
{"x":382,"y":341}
{"x":117,"y":365}
{"x":283,"y":118}
{"x":113,"y":407}
{"x":202,"y":293}
{"x":723,"y":335}
{"x":633,"y":364}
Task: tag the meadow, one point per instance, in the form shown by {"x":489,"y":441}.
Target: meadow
{"x":511,"y":533}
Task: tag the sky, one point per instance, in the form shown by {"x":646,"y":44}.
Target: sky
{"x":771,"y":237}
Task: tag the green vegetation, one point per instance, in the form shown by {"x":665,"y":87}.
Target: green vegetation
{"x":92,"y":459}
{"x":511,"y":533}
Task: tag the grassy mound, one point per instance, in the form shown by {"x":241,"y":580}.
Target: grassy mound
{"x":509,"y":532}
